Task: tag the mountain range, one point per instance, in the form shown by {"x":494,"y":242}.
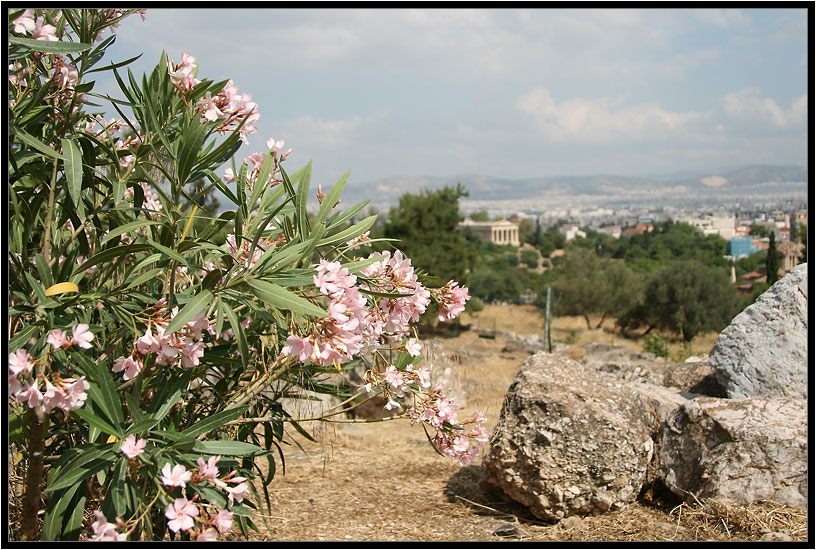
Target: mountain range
{"x":756,"y":182}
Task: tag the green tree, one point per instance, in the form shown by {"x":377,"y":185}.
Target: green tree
{"x":579,"y":283}
{"x":772,"y":261}
{"x":426,"y":224}
{"x":688,"y":297}
{"x":480,"y":216}
{"x":758,"y":229}
{"x":529,"y":258}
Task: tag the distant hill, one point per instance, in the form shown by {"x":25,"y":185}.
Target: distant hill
{"x":746,"y":181}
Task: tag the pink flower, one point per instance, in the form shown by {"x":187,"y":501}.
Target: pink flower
{"x":75,"y":392}
{"x":25,"y":23}
{"x":191,"y":353}
{"x":181,"y":512}
{"x":20,"y":362}
{"x":208,"y":535}
{"x":177,"y":477}
{"x":104,"y":531}
{"x":413,"y":347}
{"x":57,"y":338}
{"x":452,"y":300}
{"x":208,"y":470}
{"x":223,"y":520}
{"x":274,"y":145}
{"x":44,"y":32}
{"x":396,"y":380}
{"x":131,"y":367}
{"x":82,"y":336}
{"x":238,"y":492}
{"x":299,"y":347}
{"x":132,"y":448}
{"x":31,"y":395}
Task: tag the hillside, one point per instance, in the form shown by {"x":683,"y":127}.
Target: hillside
{"x":754,"y":182}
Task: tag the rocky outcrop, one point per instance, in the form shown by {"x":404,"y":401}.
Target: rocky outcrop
{"x":570,"y":440}
{"x":737,"y":451}
{"x":764,"y":351}
{"x":697,"y":377}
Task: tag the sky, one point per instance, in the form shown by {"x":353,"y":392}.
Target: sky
{"x":511,"y":93}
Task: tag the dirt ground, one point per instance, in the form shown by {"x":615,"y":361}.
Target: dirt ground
{"x":381,"y":481}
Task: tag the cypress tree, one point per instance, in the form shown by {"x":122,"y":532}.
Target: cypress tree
{"x":772,"y":261}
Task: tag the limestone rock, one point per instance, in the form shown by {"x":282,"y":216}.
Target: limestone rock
{"x":696,"y":377}
{"x":764,"y":351}
{"x":737,"y":450}
{"x":570,"y":440}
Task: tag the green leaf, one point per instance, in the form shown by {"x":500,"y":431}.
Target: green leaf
{"x":31,"y":141}
{"x":238,"y":330}
{"x":49,"y":46}
{"x":111,"y":253}
{"x":196,"y":304}
{"x":168,"y":252}
{"x":226,"y":448}
{"x":351,"y":232}
{"x":73,"y":173}
{"x":127,"y":228}
{"x":142,"y":426}
{"x":58,"y":504}
{"x":97,"y":422}
{"x":83,"y":466}
{"x":192,"y":141}
{"x":279,"y":297}
{"x":21,"y":338}
{"x":103,"y":390}
{"x":331,"y":198}
{"x":218,"y":419}
{"x":144,"y":277}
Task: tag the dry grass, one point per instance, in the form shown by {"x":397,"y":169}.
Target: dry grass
{"x":383,"y":482}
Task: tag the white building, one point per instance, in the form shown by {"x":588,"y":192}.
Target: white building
{"x":498,"y":232}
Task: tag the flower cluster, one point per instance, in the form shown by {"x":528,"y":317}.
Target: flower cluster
{"x":458,"y":440}
{"x":183,"y":75}
{"x":28,"y":23}
{"x":185,"y":344}
{"x":105,"y":531}
{"x":353,"y":324}
{"x":451,"y":299}
{"x":182,"y":513}
{"x":256,"y":160}
{"x":26,"y":385}
{"x":228,"y":106}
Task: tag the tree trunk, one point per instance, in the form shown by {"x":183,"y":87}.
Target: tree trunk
{"x":603,"y":316}
{"x":588,"y":322}
{"x":34,"y":476}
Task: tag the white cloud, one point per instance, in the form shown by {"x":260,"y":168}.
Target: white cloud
{"x":747,"y":103}
{"x":600,"y":120}
{"x":321,"y":134}
{"x":722,"y":18}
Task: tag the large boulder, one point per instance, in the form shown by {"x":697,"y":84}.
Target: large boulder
{"x":737,"y":451}
{"x":696,"y":377}
{"x":764,"y":351}
{"x":570,"y":440}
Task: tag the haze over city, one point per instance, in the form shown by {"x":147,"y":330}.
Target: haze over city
{"x":502,"y":93}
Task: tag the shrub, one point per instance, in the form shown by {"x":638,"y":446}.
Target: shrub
{"x":656,"y":344}
{"x":150,"y":339}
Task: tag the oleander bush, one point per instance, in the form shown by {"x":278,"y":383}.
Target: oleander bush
{"x":152,"y":335}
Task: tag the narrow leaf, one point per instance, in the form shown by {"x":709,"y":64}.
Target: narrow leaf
{"x":279,"y":297}
{"x":196,"y":304}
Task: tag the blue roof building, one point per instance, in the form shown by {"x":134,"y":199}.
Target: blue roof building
{"x":741,"y":246}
